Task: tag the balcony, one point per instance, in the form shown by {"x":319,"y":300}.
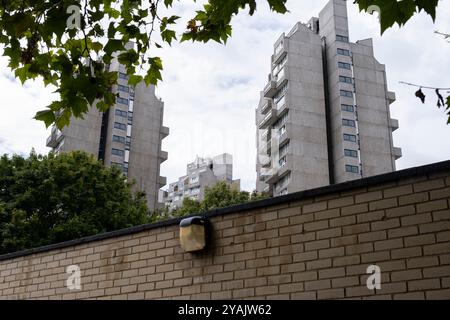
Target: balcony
{"x":283,"y":137}
{"x":164,"y":131}
{"x":282,"y":76}
{"x":283,"y":170}
{"x":393,"y":124}
{"x":397,"y":152}
{"x":266,"y":106}
{"x":162,"y":181}
{"x":391,"y":97}
{"x":54,"y":138}
{"x":269,"y":119}
{"x":264,"y":134}
{"x":271,"y":87}
{"x":266,"y":162}
{"x":280,"y":52}
{"x":163,"y":155}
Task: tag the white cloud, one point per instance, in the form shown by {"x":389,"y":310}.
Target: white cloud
{"x":210,"y":90}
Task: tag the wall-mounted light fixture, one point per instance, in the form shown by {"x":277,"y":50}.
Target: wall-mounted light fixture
{"x":193,"y":234}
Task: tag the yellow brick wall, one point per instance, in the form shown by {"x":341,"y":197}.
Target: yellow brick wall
{"x":316,"y":247}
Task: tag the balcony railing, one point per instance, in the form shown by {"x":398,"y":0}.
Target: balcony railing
{"x":393,"y":124}
{"x":391,"y":97}
{"x":266,"y":106}
{"x":397,"y":152}
{"x":280,"y":52}
{"x":54,"y":138}
{"x":271,"y":87}
{"x":269,"y":119}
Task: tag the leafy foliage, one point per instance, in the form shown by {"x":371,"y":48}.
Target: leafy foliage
{"x":219,"y":196}
{"x":49,"y":199}
{"x":393,"y":11}
{"x":40,"y":43}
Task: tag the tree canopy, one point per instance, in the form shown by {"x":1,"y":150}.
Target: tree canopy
{"x":218,"y":196}
{"x":68,"y":42}
{"x":49,"y":199}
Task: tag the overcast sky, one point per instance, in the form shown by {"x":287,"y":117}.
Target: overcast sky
{"x":211,"y":90}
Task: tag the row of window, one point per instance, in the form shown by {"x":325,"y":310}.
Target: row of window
{"x":121,"y":113}
{"x":347,"y":107}
{"x":123,"y":88}
{"x":123,"y":76}
{"x":351,"y":169}
{"x":117,"y":152}
{"x":121,"y":126}
{"x":346,"y":93}
{"x":351,"y":153}
{"x":344,"y":65}
{"x":122,"y":100}
{"x":346,"y":79}
{"x":118,"y":139}
{"x":348,"y":123}
{"x":349,"y":137}
{"x":343,"y":52}
{"x":341,"y":38}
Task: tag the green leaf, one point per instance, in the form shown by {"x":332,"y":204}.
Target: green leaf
{"x":96,"y":46}
{"x":48,"y":116}
{"x":113,"y":46}
{"x":22,"y":73}
{"x":168,"y":35}
{"x":154,"y":73}
{"x":134,"y":80}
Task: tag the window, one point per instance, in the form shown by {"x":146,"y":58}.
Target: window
{"x":343,"y":52}
{"x":116,"y":164}
{"x":118,"y":139}
{"x":345,"y":93}
{"x":347,"y":107}
{"x":281,"y":103}
{"x":282,"y":162}
{"x":279,"y":47}
{"x":123,"y":76}
{"x":279,"y":66}
{"x":124,"y":88}
{"x":117,"y":152}
{"x":348,"y":123}
{"x":284,"y":149}
{"x":280,"y":92}
{"x":284,"y":192}
{"x":283,"y":181}
{"x":121,"y":126}
{"x":281,"y":121}
{"x":349,"y":137}
{"x":341,"y":38}
{"x":194,"y":179}
{"x":351,"y":169}
{"x":351,"y":153}
{"x":282,"y":130}
{"x":121,"y":113}
{"x":344,"y":65}
{"x":122,"y":100}
{"x":345,"y":79}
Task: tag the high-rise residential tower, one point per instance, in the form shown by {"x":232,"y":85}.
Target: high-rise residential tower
{"x":128,"y":135}
{"x":200,"y":174}
{"x":323,"y":116}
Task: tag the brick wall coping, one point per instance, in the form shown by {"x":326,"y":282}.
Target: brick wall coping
{"x":341,"y":187}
